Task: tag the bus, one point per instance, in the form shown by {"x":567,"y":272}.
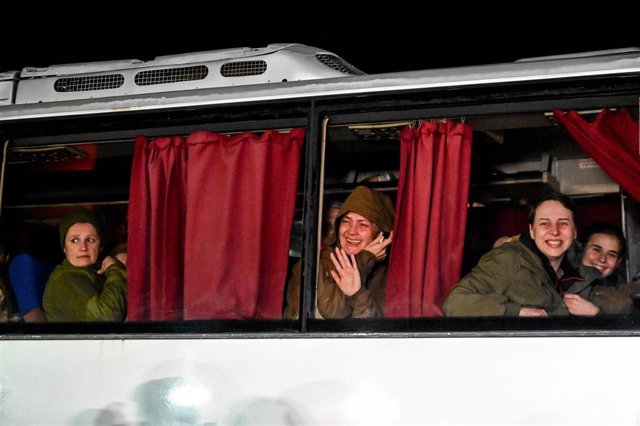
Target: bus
{"x":217,"y":168}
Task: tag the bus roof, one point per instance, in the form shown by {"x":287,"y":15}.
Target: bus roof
{"x":616,"y":62}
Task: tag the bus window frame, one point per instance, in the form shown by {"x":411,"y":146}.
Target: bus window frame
{"x":462,"y":102}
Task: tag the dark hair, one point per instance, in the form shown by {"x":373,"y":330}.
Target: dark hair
{"x":608,"y":229}
{"x":554,"y":196}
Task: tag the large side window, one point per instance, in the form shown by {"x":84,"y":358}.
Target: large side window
{"x":514,"y":160}
{"x":43,"y":184}
{"x":208,"y":228}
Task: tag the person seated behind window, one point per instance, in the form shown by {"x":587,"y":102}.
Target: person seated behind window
{"x":329,"y":221}
{"x":37,"y":254}
{"x":604,"y":248}
{"x":120,"y":253}
{"x":81,"y":288}
{"x":352,"y":271}
{"x":29,"y":276}
{"x":503,"y":239}
{"x":528,"y":276}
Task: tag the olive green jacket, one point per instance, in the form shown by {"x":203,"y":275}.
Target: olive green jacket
{"x":506,"y":279}
{"x":80,"y":294}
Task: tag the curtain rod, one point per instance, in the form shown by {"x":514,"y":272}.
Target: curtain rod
{"x":584,"y":112}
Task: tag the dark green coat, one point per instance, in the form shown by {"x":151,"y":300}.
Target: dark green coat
{"x":80,"y":294}
{"x":506,"y":279}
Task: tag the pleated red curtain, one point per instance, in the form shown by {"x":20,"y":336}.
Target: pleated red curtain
{"x":210,"y":221}
{"x":156,"y":229}
{"x":612,"y":140}
{"x":431,"y":214}
{"x":237,"y":235}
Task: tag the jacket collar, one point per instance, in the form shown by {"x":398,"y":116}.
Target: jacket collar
{"x":569,"y":273}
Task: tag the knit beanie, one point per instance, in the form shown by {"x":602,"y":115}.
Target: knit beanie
{"x":81,"y":216}
{"x":374,"y":205}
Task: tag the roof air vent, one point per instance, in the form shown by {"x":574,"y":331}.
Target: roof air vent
{"x":171,"y":75}
{"x":243,"y":68}
{"x":334,"y":62}
{"x":84,"y":84}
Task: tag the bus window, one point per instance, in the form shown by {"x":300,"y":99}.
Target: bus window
{"x":515,"y":165}
{"x":517,"y":159}
{"x":45,"y":183}
{"x":357,"y":156}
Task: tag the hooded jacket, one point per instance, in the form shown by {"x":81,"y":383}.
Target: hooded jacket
{"x":331,"y":302}
{"x":513,"y":276}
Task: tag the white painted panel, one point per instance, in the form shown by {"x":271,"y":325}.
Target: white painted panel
{"x":368,"y":381}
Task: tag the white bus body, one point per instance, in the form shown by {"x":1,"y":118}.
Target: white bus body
{"x":321,"y":381}
{"x":310,"y":372}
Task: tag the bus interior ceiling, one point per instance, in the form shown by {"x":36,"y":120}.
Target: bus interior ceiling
{"x":513,"y":155}
{"x":361,"y":153}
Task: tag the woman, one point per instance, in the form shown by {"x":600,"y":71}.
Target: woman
{"x":604,"y":248}
{"x":352,"y":272}
{"x":528,"y":276}
{"x":81,"y":288}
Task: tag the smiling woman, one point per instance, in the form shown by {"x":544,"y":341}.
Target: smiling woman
{"x":353,"y":271}
{"x":604,"y":248}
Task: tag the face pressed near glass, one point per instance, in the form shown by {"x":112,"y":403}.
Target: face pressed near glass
{"x":82,"y":244}
{"x":553,"y":230}
{"x":355,"y":232}
{"x":603,"y":253}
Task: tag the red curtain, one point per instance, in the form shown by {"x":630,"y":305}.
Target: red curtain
{"x":156,"y":229}
{"x":612,"y":141}
{"x":431,"y":214}
{"x":210,"y":220}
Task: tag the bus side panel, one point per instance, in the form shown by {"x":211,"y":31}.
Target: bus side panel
{"x":384,"y":381}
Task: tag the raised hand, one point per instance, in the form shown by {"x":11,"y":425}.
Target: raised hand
{"x":346,"y":275}
{"x":379,"y":246}
{"x":108,"y":261}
